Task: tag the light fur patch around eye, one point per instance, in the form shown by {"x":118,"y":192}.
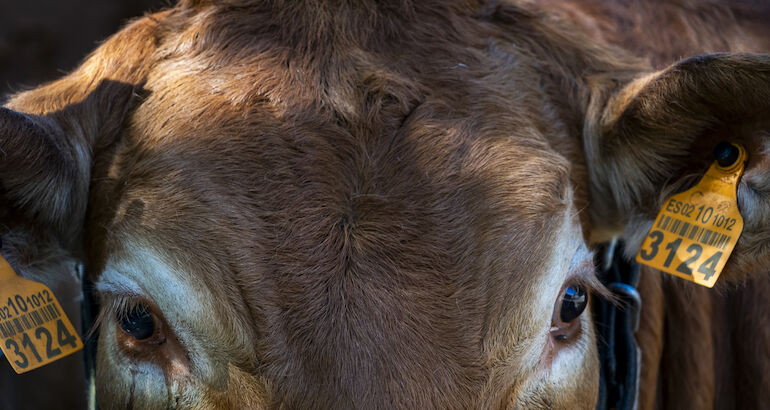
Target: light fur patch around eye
{"x":178,"y":299}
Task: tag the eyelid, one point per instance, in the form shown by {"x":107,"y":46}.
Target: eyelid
{"x":586,"y":270}
{"x":113,"y":304}
{"x":585,"y":274}
{"x":113,"y":282}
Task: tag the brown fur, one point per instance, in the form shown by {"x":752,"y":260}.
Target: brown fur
{"x":667,"y":31}
{"x":371,"y":192}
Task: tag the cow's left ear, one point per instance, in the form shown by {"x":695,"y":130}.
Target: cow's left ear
{"x":653,"y":137}
{"x":45,"y":171}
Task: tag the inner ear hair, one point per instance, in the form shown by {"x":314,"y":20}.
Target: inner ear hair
{"x":47,"y":156}
{"x":642,"y":137}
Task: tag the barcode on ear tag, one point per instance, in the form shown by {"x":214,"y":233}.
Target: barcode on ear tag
{"x":696,"y":230}
{"x":34,"y":330}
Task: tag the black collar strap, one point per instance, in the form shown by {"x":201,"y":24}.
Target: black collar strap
{"x":616,"y":323}
{"x":88,"y":311}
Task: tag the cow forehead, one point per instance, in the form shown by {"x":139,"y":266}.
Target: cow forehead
{"x":310,"y":180}
{"x":286,"y":213}
{"x":273,"y":133}
{"x":316,"y":191}
{"x":372,"y":186}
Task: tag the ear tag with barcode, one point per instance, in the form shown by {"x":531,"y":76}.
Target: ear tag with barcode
{"x":34,"y":330}
{"x":696,"y":230}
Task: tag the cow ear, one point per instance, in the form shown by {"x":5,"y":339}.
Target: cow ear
{"x":45,"y":166}
{"x":654,"y":136}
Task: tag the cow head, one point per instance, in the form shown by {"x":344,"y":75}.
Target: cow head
{"x":275,"y":217}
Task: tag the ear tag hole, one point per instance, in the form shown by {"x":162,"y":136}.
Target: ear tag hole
{"x":726,"y":155}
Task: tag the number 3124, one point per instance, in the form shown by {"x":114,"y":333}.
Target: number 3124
{"x":694,"y":251}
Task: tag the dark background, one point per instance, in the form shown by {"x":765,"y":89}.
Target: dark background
{"x":41,"y":40}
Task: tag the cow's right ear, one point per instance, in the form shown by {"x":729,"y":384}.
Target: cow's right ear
{"x":45,"y":163}
{"x":653,"y":136}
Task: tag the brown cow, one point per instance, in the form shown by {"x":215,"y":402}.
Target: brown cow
{"x":317,"y":204}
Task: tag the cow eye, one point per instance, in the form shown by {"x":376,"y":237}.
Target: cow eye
{"x":142,"y":333}
{"x":565,"y":322}
{"x":138,"y":322}
{"x":573,"y":303}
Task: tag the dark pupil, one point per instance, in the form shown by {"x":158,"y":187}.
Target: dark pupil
{"x":573,"y":303}
{"x":138,"y":323}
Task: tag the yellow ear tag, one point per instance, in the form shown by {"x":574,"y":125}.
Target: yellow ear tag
{"x":695,"y":231}
{"x":34,"y":330}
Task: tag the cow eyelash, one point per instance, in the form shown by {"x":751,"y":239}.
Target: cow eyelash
{"x":117,"y":307}
{"x":586,"y":277}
